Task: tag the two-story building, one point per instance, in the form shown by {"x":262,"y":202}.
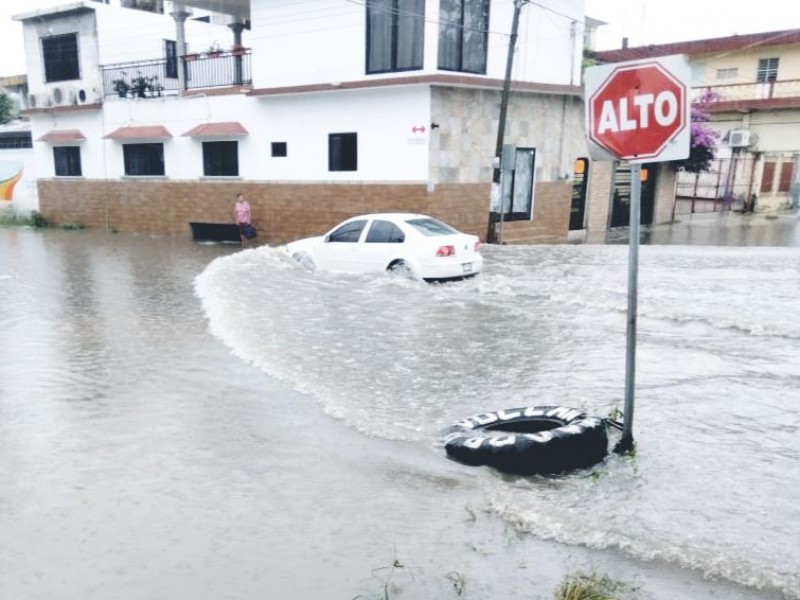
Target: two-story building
{"x":315,"y":111}
{"x":751,"y":90}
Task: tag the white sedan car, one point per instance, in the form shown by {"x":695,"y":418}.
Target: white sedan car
{"x":416,"y":245}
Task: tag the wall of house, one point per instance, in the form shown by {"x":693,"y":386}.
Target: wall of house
{"x":82,"y":23}
{"x":463,"y":145}
{"x":324,"y":42}
{"x":777,"y":130}
{"x":393,"y":127}
{"x":665,"y":194}
{"x":281,"y":211}
{"x":18,"y":189}
{"x":550,"y":221}
{"x":106,"y":35}
{"x":599,"y":193}
{"x":126,"y":35}
{"x":706,"y":66}
{"x":285,"y":211}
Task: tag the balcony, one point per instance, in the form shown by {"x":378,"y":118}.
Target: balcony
{"x":753,"y":96}
{"x":153,"y":78}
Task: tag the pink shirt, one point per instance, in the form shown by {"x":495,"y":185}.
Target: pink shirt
{"x":241,"y":211}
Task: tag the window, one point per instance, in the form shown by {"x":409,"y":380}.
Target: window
{"x":463,"y":35}
{"x":517,"y":192}
{"x":349,"y":232}
{"x":221,"y":159}
{"x":395,"y":31}
{"x":68,"y":161}
{"x":384,"y":232}
{"x":60,"y":54}
{"x":786,"y":177}
{"x":732,"y":73}
{"x":19,"y":140}
{"x":171,"y":57}
{"x":429,"y":227}
{"x":279,"y":149}
{"x":767,"y":177}
{"x":144,"y":159}
{"x":343,"y":152}
{"x":767,"y":70}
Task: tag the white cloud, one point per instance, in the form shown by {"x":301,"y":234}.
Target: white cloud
{"x":657,"y":22}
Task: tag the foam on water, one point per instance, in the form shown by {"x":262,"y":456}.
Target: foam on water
{"x":714,"y":483}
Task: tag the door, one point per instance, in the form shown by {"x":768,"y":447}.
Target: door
{"x":620,"y":210}
{"x":380,"y":246}
{"x":340,"y":249}
{"x":577,"y":211}
{"x":518,"y":187}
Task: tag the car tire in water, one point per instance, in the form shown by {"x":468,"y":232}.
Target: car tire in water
{"x":401,"y":268}
{"x":528,"y":441}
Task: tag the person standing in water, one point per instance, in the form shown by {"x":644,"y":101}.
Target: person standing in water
{"x":241,"y":212}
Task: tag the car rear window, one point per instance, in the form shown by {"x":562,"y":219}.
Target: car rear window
{"x":431,"y":227}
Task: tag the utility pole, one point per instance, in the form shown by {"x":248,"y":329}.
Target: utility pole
{"x":496,"y":197}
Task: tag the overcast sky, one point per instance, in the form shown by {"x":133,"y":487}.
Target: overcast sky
{"x":641,"y":21}
{"x":661,"y":21}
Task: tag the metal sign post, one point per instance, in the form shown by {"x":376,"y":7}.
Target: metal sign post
{"x":626,"y":442}
{"x":637,"y":111}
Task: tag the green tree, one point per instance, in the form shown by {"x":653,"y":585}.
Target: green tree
{"x":7,"y":108}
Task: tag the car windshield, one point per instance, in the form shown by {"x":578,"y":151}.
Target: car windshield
{"x":428,"y":226}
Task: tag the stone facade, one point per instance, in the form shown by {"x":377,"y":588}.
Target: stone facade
{"x":464,"y":141}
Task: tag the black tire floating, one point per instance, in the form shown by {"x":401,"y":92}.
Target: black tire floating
{"x":529,"y":441}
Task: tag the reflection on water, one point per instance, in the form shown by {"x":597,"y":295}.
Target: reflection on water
{"x":137,"y":455}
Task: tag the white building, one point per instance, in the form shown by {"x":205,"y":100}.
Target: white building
{"x":315,"y":111}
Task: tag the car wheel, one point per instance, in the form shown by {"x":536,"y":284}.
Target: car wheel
{"x":305,"y":260}
{"x":401,"y":268}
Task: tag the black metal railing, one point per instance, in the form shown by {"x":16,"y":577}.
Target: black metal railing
{"x":152,"y":78}
{"x":140,"y":79}
{"x":220,"y":69}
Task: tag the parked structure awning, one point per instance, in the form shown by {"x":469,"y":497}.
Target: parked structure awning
{"x":146,"y":132}
{"x":223,"y":129}
{"x":59,"y":136}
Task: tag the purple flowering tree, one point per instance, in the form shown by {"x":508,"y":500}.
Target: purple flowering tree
{"x":704,"y":139}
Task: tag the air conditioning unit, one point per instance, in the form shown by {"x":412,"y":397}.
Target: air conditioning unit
{"x":40,"y":100}
{"x":740,"y":138}
{"x":59,"y":96}
{"x":87,"y":96}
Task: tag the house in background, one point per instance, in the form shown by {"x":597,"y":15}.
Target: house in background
{"x":149,"y":122}
{"x":752,"y":86}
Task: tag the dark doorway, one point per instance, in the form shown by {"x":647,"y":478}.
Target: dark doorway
{"x":577,"y":210}
{"x":620,"y":211}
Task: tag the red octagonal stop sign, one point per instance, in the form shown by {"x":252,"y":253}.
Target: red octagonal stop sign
{"x":637,"y":110}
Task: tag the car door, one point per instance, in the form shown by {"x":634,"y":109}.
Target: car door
{"x":339,"y":252}
{"x":381,"y":245}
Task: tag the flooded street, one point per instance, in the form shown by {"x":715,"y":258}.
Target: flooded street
{"x":191,"y":421}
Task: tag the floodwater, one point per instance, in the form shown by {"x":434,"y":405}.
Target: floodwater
{"x":187,"y":421}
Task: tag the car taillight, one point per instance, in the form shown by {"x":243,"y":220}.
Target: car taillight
{"x":445,"y":251}
{"x":477,"y":246}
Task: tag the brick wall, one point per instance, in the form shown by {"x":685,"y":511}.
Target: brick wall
{"x":281,"y":212}
{"x":550,"y":223}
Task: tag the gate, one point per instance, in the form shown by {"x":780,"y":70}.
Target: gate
{"x":727,"y":186}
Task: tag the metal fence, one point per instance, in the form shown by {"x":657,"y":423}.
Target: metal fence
{"x":727,"y":186}
{"x":152,"y":78}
